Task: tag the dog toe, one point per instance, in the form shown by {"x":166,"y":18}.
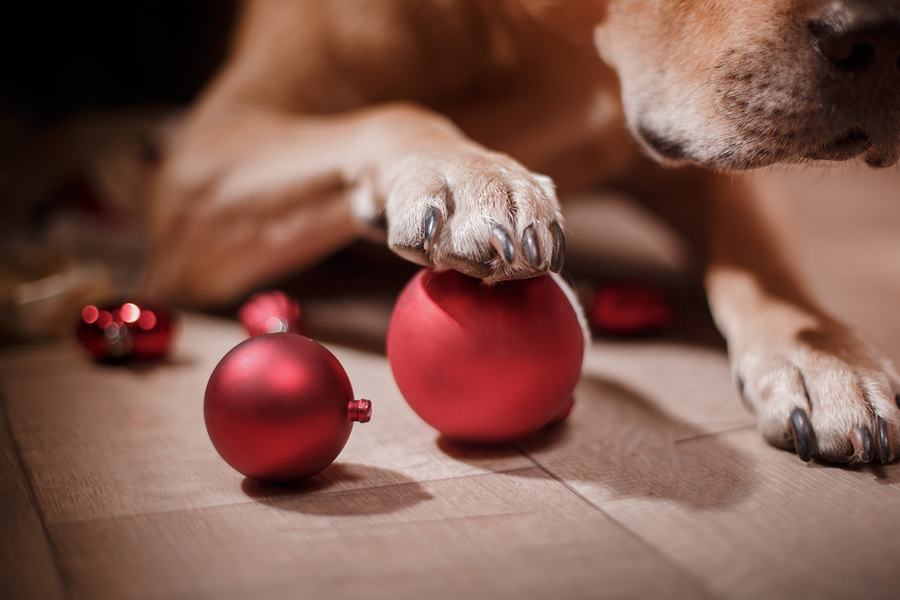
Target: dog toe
{"x":483,"y":215}
{"x":503,"y":244}
{"x":431,"y":225}
{"x":559,"y":247}
{"x":531,"y":247}
{"x":885,"y":440}
{"x":863,"y":445}
{"x":801,"y":432}
{"x":836,"y":406}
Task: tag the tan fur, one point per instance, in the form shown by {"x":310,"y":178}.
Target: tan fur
{"x":330,"y":115}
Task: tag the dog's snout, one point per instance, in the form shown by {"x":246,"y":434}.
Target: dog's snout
{"x":859,"y":39}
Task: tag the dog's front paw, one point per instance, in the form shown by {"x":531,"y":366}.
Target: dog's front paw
{"x":480,"y":213}
{"x":825,"y":392}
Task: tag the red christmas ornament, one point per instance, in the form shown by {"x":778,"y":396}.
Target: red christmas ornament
{"x":126,"y":330}
{"x":279,"y":407}
{"x":481,"y":363}
{"x":271,"y":312}
{"x":630,"y":309}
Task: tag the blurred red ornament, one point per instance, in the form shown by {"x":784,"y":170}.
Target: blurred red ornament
{"x":126,"y":330}
{"x":279,"y":407}
{"x":485,"y":364}
{"x":630,"y":308}
{"x":271,"y":312}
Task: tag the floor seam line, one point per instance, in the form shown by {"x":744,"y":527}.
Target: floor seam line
{"x":630,"y":532}
{"x":274,"y":499}
{"x":32,"y":497}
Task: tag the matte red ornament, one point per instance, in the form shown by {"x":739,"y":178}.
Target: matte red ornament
{"x":272,"y":312}
{"x":279,"y":407}
{"x":486,"y":364}
{"x":126,"y":330}
{"x":630,"y":308}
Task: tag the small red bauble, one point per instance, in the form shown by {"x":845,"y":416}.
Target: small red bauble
{"x":630,"y":309}
{"x":126,"y":330}
{"x":271,"y":312}
{"x":279,"y":407}
{"x":485,"y":364}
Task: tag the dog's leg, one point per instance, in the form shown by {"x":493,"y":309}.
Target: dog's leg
{"x":248,"y":196}
{"x":301,"y":142}
{"x":815,"y":384}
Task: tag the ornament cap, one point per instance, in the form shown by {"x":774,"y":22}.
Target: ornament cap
{"x":359,"y":411}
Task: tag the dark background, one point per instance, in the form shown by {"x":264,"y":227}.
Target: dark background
{"x":60,"y":58}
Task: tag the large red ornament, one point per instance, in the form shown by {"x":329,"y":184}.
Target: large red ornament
{"x":482,"y":363}
{"x":271,"y":312}
{"x":126,"y":330}
{"x":279,"y":407}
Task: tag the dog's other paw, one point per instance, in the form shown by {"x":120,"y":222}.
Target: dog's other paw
{"x":824,"y":392}
{"x":480,"y":213}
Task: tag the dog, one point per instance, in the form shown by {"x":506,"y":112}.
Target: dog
{"x":452,"y":127}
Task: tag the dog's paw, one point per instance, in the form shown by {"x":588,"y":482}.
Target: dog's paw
{"x":480,"y":213}
{"x":824,"y":392}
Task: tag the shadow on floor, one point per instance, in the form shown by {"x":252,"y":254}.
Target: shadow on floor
{"x":313,"y":496}
{"x":618,"y":441}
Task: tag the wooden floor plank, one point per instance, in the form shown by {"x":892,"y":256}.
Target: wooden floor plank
{"x":750,"y":520}
{"x":138,"y":504}
{"x":28,"y":566}
{"x":656,"y":486}
{"x":512,"y":535}
{"x":657,"y":439}
{"x":109,"y":440}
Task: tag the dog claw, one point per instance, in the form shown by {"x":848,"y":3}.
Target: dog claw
{"x":863,"y":445}
{"x":531,"y":247}
{"x":559,"y":251}
{"x":885,"y":438}
{"x":430,"y":226}
{"x":801,"y":430}
{"x":503,"y":244}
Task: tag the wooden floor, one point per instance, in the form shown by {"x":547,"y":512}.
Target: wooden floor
{"x":657,"y":486}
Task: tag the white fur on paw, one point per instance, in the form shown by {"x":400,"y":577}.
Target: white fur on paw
{"x":837,"y":378}
{"x":477,"y":212}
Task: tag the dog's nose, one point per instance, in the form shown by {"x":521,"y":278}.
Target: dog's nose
{"x":859,"y":39}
